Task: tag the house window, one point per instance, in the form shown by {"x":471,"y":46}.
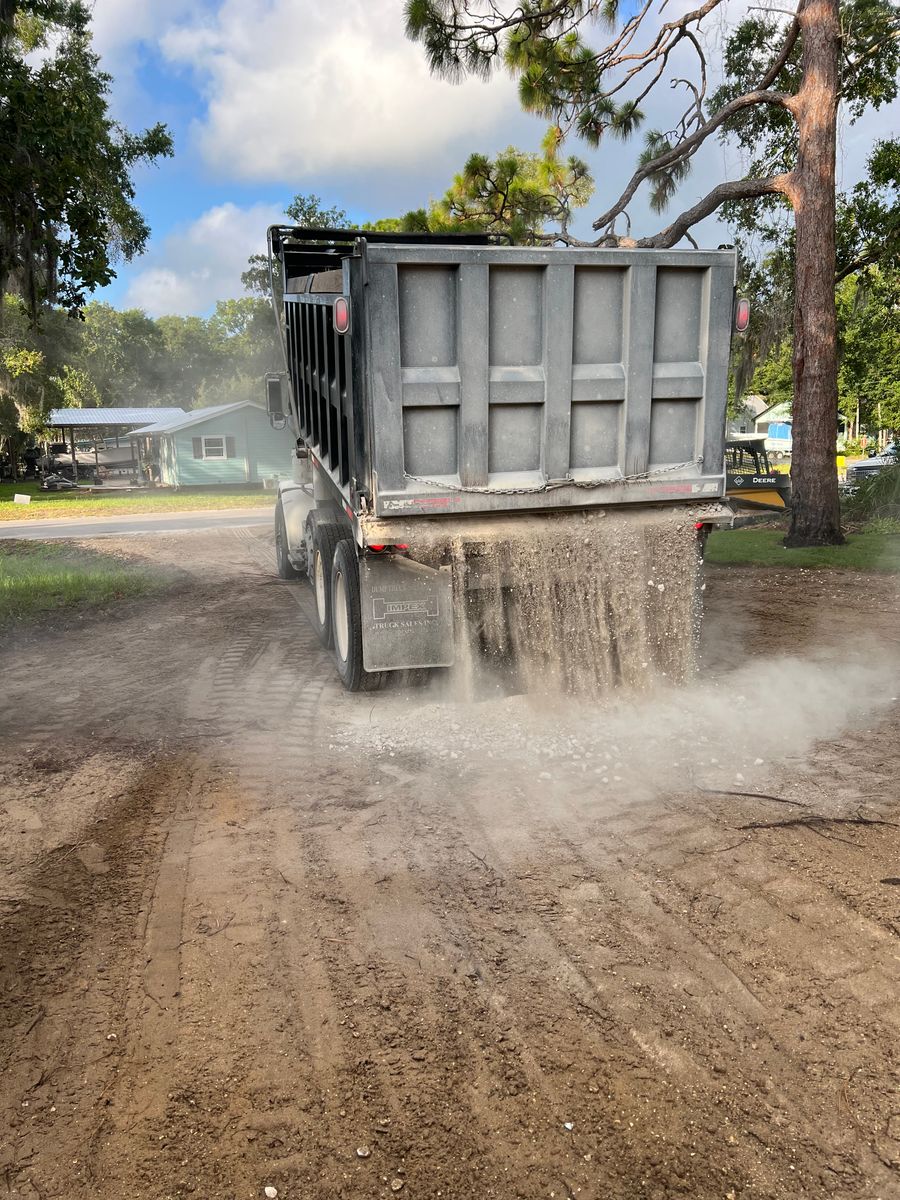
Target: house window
{"x":213,"y":447}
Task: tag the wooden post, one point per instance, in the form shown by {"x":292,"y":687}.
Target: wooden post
{"x":74,"y":455}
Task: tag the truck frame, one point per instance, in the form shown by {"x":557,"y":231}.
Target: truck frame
{"x":435,"y":383}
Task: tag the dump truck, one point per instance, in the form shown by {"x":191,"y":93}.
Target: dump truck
{"x":443,"y":393}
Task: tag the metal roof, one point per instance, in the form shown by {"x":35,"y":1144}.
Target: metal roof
{"x":196,"y":416}
{"x":776,"y":412}
{"x":90,"y":418}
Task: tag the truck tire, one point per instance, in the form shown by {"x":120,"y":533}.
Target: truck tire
{"x":346,"y":622}
{"x":284,"y":566}
{"x":325,"y":538}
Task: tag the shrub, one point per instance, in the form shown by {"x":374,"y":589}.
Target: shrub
{"x":878,"y":497}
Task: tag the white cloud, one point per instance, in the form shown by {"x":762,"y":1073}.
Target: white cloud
{"x":300,"y":87}
{"x":329,"y":96}
{"x":202,"y":263}
{"x":117,"y":26}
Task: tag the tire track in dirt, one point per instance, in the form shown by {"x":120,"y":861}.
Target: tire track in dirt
{"x":606,"y":1017}
{"x":67,"y":954}
{"x":513,"y":1032}
{"x":153,"y":1008}
{"x":643,"y":897}
{"x":403,"y":1011}
{"x":388,"y":1020}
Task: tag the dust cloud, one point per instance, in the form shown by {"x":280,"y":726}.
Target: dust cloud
{"x":579,"y":658}
{"x":725,"y":731}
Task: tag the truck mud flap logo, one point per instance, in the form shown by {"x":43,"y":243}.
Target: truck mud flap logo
{"x":382,"y":609}
{"x":406,"y":611}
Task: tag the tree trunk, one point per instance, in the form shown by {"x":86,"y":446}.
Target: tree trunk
{"x":815,"y":513}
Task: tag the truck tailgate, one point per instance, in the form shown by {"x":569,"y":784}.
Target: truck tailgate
{"x":510,"y":379}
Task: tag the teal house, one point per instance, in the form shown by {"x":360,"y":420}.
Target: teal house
{"x":226,"y":444}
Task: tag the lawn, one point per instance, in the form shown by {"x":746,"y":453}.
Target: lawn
{"x":37,"y":578}
{"x":867,"y":551}
{"x":47,"y":505}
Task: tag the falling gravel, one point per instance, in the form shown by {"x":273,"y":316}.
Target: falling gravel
{"x":576,"y":603}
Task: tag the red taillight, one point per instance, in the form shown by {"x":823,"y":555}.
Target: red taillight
{"x":341,"y":315}
{"x":377,"y":549}
{"x":400,"y":547}
{"x":742,"y":316}
{"x":698,"y":524}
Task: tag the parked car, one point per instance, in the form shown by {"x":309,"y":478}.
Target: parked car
{"x":858,"y":472}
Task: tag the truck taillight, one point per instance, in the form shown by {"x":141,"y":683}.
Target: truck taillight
{"x":342,"y":315}
{"x":742,"y":316}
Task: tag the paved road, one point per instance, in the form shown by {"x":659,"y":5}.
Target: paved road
{"x":137,"y":523}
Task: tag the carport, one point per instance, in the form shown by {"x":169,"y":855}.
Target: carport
{"x":106,"y":422}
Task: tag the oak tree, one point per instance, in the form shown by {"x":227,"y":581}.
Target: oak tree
{"x":67,"y":195}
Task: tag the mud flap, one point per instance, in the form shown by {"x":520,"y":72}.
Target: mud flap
{"x":296,"y":503}
{"x":407,"y":614}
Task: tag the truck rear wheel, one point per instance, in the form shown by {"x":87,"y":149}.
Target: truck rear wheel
{"x":286,"y":569}
{"x":346,"y":622}
{"x":325,"y":539}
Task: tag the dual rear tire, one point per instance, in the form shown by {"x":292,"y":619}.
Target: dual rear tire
{"x":334,"y":575}
{"x":346,"y":621}
{"x":322,"y":540}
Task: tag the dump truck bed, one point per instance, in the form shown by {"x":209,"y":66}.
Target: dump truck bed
{"x":479,"y":379}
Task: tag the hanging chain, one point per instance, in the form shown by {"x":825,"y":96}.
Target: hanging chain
{"x":550,"y":485}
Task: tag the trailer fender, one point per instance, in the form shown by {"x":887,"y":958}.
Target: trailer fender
{"x":407,"y":613}
{"x":296,"y":504}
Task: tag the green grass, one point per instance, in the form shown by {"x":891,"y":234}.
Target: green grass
{"x":38,"y":578}
{"x":47,"y":505}
{"x":867,"y":551}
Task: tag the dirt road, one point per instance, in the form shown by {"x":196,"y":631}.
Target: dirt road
{"x":256,"y":933}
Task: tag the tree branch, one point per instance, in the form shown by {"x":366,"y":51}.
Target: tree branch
{"x":785,"y":53}
{"x":853,"y":64}
{"x":736,"y":189}
{"x":689,"y":146}
{"x":612,"y":56}
{"x":686,"y":148}
{"x":858,"y":263}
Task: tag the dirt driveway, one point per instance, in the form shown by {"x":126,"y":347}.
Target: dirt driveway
{"x":255,"y":933}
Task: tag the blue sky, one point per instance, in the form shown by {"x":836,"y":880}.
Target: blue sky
{"x":267,"y":98}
